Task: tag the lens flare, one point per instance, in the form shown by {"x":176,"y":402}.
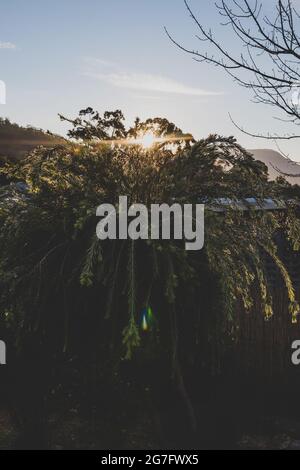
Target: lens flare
{"x":147,"y":319}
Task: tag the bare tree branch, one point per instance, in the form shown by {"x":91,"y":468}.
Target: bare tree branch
{"x":269,"y":62}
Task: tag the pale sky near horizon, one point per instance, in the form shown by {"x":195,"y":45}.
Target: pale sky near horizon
{"x":62,"y":56}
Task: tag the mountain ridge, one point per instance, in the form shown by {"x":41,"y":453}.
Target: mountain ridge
{"x":16,"y":141}
{"x":274,"y":160}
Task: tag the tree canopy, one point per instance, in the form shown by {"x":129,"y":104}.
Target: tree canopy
{"x":58,"y":281}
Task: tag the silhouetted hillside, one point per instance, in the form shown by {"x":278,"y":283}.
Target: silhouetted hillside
{"x":275,"y":160}
{"x":16,"y":141}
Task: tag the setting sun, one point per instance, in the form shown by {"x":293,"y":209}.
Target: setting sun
{"x":148,"y":140}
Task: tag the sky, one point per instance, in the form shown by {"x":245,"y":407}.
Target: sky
{"x":61,"y":56}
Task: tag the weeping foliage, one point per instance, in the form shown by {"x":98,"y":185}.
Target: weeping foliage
{"x":58,"y":281}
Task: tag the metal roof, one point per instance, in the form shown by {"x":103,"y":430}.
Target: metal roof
{"x":251,"y":203}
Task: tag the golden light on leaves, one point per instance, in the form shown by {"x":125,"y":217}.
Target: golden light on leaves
{"x":147,"y":140}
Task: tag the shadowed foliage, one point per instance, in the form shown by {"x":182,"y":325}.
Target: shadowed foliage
{"x":64,"y":293}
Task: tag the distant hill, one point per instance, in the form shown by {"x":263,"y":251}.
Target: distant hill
{"x":16,"y":141}
{"x":274,"y":160}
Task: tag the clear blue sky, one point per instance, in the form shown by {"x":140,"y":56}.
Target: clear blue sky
{"x":60,"y":56}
